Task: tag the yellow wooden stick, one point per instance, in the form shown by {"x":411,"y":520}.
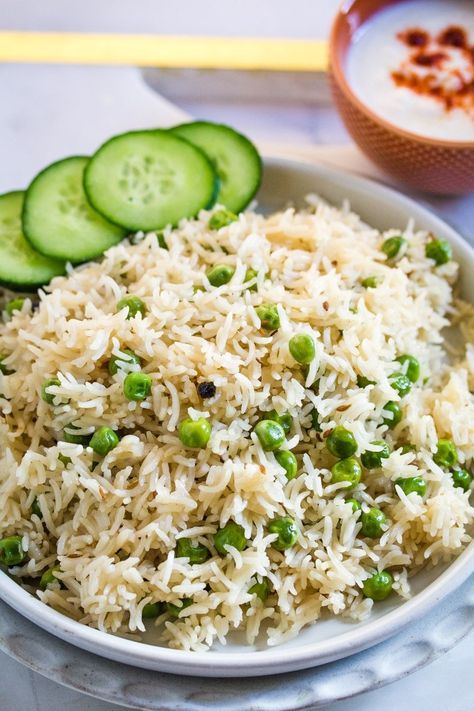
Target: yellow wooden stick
{"x":164,"y":51}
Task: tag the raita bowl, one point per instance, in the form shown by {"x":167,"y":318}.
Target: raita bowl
{"x":427,"y":164}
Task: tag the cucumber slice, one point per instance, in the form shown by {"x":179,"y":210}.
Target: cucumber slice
{"x":57,"y":219}
{"x":21,"y":268}
{"x":235,"y":158}
{"x":145,"y":180}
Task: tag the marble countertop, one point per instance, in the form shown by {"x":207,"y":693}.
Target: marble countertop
{"x":76,"y":107}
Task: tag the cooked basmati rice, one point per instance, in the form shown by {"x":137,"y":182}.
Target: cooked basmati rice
{"x":112,"y":523}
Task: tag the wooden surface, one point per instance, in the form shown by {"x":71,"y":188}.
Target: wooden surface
{"x":145,"y":50}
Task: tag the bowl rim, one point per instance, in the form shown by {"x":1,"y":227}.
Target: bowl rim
{"x":276,"y":659}
{"x":339,"y":74}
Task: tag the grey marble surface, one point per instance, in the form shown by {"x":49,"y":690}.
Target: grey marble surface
{"x":47,"y":112}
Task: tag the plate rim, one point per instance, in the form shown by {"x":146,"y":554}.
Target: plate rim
{"x":369,"y":665}
{"x":282,"y":659}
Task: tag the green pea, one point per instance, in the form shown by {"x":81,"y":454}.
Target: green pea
{"x":412,"y":369}
{"x":76,"y":438}
{"x":373,"y":460}
{"x":396,"y":414}
{"x":370,"y":282}
{"x":341,"y":442}
{"x":221,"y":218}
{"x":462,"y":479}
{"x":116,"y":362}
{"x":373,"y":521}
{"x":439,"y":250}
{"x":103,"y":441}
{"x":412,"y":484}
{"x":315,"y":424}
{"x":251,"y":274}
{"x":378,"y":586}
{"x":285,"y":419}
{"x":11,"y":551}
{"x":302,"y":348}
{"x":152,"y":610}
{"x":14,"y":305}
{"x":220,"y":274}
{"x":49,"y":577}
{"x":194,"y":434}
{"x":134,"y":305}
{"x":271,"y":434}
{"x":137,"y":386}
{"x":261,"y":589}
{"x":176,"y":610}
{"x":232,"y":534}
{"x":355,"y":505}
{"x":287,"y":531}
{"x":446,"y":454}
{"x":269,"y":317}
{"x":400,"y":383}
{"x":196,"y":553}
{"x":362,"y":381}
{"x":346,"y":470}
{"x":393,"y":246}
{"x":45,"y":395}
{"x":288,"y":461}
{"x":35,"y":508}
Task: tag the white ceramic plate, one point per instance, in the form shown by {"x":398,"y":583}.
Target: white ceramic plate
{"x":409,"y":650}
{"x":329,"y":640}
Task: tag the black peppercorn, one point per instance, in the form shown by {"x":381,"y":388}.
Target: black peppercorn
{"x":206,"y":390}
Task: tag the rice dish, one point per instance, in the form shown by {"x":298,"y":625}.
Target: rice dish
{"x":111,"y":524}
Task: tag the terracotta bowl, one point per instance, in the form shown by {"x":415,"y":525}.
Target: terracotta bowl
{"x":428,"y":164}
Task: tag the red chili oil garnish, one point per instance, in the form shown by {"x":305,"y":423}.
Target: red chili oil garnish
{"x":414,"y":38}
{"x":453,"y":37}
{"x":429,"y":71}
{"x":430,"y":60}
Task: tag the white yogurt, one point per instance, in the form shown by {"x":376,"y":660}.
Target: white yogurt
{"x":376,"y":52}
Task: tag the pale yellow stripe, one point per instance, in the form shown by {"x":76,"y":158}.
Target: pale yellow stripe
{"x":160,"y":51}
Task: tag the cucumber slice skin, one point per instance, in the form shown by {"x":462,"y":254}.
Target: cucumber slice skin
{"x":145,"y":180}
{"x":21,"y":268}
{"x":57,"y":218}
{"x":237,"y":161}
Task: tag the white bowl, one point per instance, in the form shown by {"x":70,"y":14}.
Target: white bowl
{"x":327,"y":640}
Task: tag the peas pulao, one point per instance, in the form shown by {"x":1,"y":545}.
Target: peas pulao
{"x":245,"y":422}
